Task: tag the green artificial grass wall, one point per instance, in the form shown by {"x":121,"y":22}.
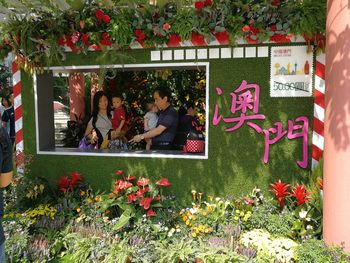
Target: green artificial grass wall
{"x":235,"y":162}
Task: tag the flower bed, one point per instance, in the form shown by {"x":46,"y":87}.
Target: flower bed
{"x":138,"y":222}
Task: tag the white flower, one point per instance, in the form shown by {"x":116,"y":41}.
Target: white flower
{"x":302,"y":214}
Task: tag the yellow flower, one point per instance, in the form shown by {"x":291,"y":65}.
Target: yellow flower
{"x":41,"y":188}
{"x":236,"y":218}
{"x":82,"y":193}
{"x":78,"y":210}
{"x":204,"y":213}
{"x":194,"y":234}
{"x":188,"y":222}
{"x":89,"y":200}
{"x":185,"y":218}
{"x":98,"y":198}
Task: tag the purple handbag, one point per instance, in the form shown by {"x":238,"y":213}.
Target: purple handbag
{"x":85,"y":145}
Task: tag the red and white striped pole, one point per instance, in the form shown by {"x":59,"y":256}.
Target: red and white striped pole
{"x":17,"y":90}
{"x":319,"y":111}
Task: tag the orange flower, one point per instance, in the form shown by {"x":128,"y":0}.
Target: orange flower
{"x":166,"y":26}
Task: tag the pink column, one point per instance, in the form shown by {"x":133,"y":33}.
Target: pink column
{"x":336,"y":216}
{"x":77,"y":94}
{"x":94,"y":86}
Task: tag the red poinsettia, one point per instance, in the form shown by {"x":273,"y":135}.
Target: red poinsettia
{"x":300,"y":194}
{"x":143,"y":182}
{"x":163,"y":182}
{"x":150,"y":213}
{"x":280,"y":190}
{"x":199,"y":5}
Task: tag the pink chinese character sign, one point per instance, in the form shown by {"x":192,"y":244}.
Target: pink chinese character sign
{"x":245,"y":110}
{"x":291,"y":72}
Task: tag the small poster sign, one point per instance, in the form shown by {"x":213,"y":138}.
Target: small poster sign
{"x":291,"y":72}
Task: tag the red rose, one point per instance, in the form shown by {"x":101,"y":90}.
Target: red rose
{"x":139,"y":34}
{"x":61,"y":41}
{"x":199,"y":5}
{"x":275,"y":2}
{"x":208,"y":3}
{"x":106,"y":19}
{"x":99,"y":14}
{"x":85,"y":39}
{"x":106,"y":39}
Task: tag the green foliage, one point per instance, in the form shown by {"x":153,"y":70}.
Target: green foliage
{"x":267,"y":217}
{"x":174,"y":252}
{"x":314,"y":250}
{"x":37,"y":33}
{"x":182,"y":24}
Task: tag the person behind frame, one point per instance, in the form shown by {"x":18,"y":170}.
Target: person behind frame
{"x":100,"y":124}
{"x":5,"y":180}
{"x":118,"y":116}
{"x":150,"y":121}
{"x":163,"y":135}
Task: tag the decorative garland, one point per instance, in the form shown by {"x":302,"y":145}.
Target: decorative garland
{"x":40,"y":38}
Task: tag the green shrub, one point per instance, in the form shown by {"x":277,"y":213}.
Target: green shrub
{"x":314,"y":250}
